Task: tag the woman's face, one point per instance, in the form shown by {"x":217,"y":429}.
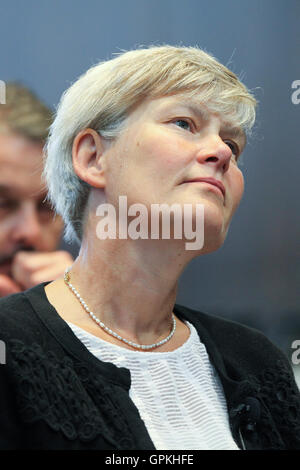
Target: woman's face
{"x":167,"y":143}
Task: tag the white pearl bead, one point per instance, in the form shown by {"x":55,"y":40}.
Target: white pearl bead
{"x":101,"y":324}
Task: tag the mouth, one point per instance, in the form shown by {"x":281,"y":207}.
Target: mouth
{"x":218,"y":184}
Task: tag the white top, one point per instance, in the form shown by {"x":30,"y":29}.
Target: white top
{"x":178,"y":393}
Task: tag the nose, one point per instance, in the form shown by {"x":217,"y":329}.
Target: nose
{"x":27,"y":227}
{"x":215,"y":152}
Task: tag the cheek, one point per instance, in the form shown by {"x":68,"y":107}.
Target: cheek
{"x":7,"y":226}
{"x":51,"y":233}
{"x":237,"y":187}
{"x":163,"y":155}
{"x":4,"y":232}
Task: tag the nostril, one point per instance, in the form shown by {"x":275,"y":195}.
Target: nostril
{"x":212,"y":159}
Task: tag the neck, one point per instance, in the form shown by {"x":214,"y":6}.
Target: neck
{"x":130,"y":285}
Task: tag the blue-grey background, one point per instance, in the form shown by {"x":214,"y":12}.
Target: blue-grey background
{"x":255,"y":277}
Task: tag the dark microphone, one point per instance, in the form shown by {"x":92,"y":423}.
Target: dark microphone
{"x":253,"y":409}
{"x":248,"y":413}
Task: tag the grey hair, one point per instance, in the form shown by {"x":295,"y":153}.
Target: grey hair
{"x":103,"y":97}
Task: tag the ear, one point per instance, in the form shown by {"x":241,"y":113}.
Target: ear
{"x":87,"y":150}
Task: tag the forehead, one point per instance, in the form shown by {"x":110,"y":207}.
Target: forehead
{"x":20,"y":165}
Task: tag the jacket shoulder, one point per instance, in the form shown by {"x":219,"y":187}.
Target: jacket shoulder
{"x":244,"y":345}
{"x":17,"y":317}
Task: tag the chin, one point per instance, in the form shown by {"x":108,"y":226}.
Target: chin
{"x":214,"y":237}
{"x":215,"y":231}
{"x":212,"y":244}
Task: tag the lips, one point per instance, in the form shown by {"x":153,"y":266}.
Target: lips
{"x":212,"y":181}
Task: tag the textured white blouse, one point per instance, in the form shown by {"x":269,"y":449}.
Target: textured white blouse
{"x":178,"y":394}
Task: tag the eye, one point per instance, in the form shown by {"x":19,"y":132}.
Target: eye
{"x":184,"y":124}
{"x":233,"y":147}
{"x":8,"y":204}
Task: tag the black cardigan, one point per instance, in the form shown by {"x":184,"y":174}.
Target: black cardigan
{"x":54,"y":394}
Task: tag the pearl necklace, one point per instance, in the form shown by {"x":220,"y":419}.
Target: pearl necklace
{"x":108,"y":330}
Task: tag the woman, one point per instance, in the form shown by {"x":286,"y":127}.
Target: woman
{"x":104,"y":358}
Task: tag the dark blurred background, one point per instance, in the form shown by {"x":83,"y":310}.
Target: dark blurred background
{"x":255,"y":277}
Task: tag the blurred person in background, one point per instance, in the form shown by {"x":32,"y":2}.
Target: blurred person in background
{"x":29,"y":229}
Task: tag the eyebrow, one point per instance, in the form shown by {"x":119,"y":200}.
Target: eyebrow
{"x":201,"y":113}
{"x":236,"y":132}
{"x":6,"y":190}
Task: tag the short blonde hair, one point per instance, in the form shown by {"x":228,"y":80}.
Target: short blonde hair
{"x":103,"y":97}
{"x":24,"y":113}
